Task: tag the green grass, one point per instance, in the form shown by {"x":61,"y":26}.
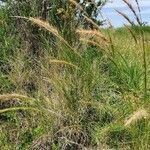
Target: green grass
{"x":82,"y":102}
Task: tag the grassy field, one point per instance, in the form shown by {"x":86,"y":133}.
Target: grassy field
{"x":92,"y":95}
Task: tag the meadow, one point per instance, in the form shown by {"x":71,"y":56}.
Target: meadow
{"x":82,"y":89}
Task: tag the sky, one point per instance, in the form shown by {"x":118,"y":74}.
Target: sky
{"x":117,"y":20}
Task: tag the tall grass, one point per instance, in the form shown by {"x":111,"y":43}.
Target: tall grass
{"x":87,"y":96}
{"x":139,"y":21}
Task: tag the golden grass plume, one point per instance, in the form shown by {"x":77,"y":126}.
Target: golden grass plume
{"x":137,"y":115}
{"x":52,"y":30}
{"x":17,"y":108}
{"x":92,"y":33}
{"x":6,"y":97}
{"x":56,"y":61}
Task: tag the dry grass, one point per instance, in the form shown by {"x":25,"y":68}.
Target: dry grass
{"x":137,"y":115}
{"x":96,"y":26}
{"x":52,"y":30}
{"x":92,"y":33}
{"x":7,"y":97}
{"x":94,"y":37}
{"x":48,"y":27}
{"x":18,"y":108}
{"x":62,"y":62}
{"x":132,"y":33}
{"x":84,"y":106}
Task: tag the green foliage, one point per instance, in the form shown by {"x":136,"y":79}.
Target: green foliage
{"x":73,"y":94}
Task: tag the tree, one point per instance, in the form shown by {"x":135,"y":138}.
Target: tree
{"x":66,"y":15}
{"x":91,"y":9}
{"x":57,"y":11}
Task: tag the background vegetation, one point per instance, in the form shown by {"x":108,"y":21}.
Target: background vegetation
{"x":66,"y":83}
